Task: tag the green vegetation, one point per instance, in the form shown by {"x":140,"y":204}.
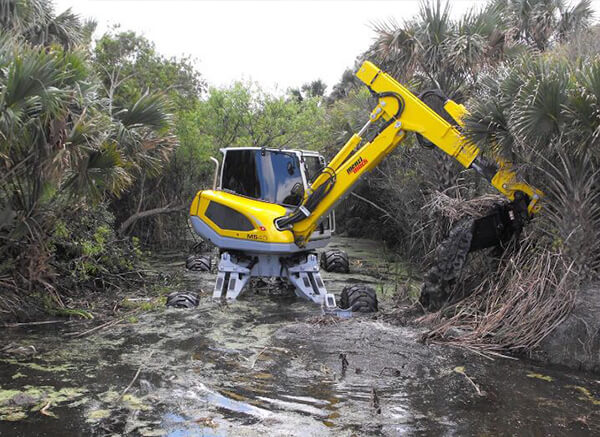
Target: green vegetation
{"x":35,"y":399}
{"x":69,"y":151}
{"x":103,"y":145}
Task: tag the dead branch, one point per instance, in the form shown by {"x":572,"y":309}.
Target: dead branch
{"x":135,"y":376}
{"x":45,"y":322}
{"x":102,"y":326}
{"x":148,"y":213}
{"x":257,"y":356}
{"x":44,"y":410}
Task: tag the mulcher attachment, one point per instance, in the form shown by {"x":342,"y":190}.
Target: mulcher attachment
{"x":469,"y":235}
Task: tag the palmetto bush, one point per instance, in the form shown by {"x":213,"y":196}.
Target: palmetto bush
{"x":462,"y":58}
{"x":544,"y":113}
{"x":525,"y":70}
{"x":529,"y":72}
{"x":434,"y":50}
{"x":541,"y":112}
{"x":65,"y":151}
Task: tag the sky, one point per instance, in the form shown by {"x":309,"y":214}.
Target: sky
{"x":279,"y":44}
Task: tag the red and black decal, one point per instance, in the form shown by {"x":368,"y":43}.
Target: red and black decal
{"x":358,"y":164}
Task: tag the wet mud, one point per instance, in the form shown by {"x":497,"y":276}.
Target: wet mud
{"x":270,"y":365}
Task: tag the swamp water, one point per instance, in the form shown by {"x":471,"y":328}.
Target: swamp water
{"x":262,"y":366}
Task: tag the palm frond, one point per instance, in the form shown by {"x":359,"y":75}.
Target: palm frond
{"x":573,"y":209}
{"x":583,"y":109}
{"x":150,"y":110}
{"x":65,"y":29}
{"x":537,"y":114}
{"x":575,"y":19}
{"x":98,"y":171}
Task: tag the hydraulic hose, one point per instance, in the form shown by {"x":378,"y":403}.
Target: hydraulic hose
{"x":425,"y":95}
{"x":311,"y":203}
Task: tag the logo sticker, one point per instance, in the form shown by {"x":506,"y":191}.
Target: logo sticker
{"x":358,"y":164}
{"x":256,"y":237}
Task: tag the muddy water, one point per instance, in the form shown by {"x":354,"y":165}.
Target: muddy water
{"x":261,"y":366}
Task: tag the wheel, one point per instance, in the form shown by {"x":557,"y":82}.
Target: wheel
{"x":335,"y":261}
{"x":183,"y":300}
{"x":198,"y":263}
{"x":359,"y":298}
{"x":450,"y":258}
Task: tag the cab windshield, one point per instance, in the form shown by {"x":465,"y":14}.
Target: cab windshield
{"x":267,"y":175}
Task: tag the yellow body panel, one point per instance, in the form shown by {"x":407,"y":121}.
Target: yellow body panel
{"x":261,"y":215}
{"x":456,"y":111}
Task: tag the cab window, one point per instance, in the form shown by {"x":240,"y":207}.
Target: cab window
{"x":263,"y":174}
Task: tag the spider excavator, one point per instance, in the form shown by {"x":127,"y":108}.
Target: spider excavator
{"x":273,"y":208}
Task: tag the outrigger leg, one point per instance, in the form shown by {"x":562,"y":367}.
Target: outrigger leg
{"x":302,"y":271}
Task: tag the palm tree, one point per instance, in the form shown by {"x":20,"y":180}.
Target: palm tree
{"x":35,"y":21}
{"x":342,"y":89}
{"x":316,"y":88}
{"x":62,"y":145}
{"x":436,"y":51}
{"x":539,"y":23}
{"x":433,"y":51}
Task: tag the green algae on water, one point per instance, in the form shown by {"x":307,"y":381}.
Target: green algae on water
{"x":14,"y":404}
{"x":540,"y":376}
{"x":39,"y":367}
{"x":96,"y":415}
{"x":134,"y":403}
{"x":12,"y":414}
{"x":7,"y":395}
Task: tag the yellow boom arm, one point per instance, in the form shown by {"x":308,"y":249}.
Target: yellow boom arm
{"x":401,"y":112}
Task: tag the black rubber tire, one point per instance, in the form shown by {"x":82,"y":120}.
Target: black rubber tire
{"x":335,"y":261}
{"x":359,"y":298}
{"x":198,"y":263}
{"x":183,"y":300}
{"x":451,"y":256}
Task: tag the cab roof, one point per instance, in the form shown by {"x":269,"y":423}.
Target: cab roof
{"x":273,"y":149}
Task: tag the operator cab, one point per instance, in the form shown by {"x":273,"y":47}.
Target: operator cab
{"x":274,"y":176}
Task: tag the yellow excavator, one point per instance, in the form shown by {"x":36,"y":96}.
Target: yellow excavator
{"x":273,"y":208}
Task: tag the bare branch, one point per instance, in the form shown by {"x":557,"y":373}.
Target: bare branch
{"x":143,"y":214}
